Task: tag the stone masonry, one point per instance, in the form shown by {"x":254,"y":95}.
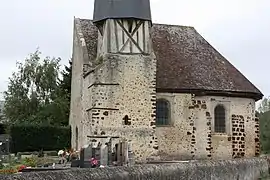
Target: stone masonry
{"x":190,"y":135}
{"x":123,"y":67}
{"x":122,"y":101}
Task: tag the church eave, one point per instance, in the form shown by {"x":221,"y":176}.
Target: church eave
{"x":202,"y":92}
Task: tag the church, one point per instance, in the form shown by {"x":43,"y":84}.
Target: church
{"x":161,"y":87}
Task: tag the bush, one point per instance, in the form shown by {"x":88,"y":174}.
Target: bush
{"x":3,"y":129}
{"x":36,"y":138}
{"x":30,"y":162}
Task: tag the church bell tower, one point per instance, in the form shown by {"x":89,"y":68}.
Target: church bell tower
{"x":123,"y":25}
{"x":123,"y":82}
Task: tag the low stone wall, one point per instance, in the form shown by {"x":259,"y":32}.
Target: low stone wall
{"x":240,"y":169}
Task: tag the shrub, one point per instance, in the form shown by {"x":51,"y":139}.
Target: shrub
{"x":3,"y":129}
{"x":30,"y":162}
{"x":8,"y":171}
{"x":36,"y":138}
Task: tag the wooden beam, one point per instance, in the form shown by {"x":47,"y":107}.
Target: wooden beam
{"x":130,"y":35}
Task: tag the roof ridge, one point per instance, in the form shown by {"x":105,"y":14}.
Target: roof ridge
{"x":173,"y":25}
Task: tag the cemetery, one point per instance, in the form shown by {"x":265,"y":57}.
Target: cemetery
{"x":146,"y":101}
{"x":109,"y":151}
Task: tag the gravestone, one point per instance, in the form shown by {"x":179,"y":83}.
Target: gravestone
{"x":130,"y":156}
{"x":104,"y":155}
{"x":85,"y":156}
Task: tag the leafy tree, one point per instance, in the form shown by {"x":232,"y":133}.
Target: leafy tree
{"x":264,"y":105}
{"x":65,"y":84}
{"x":265,"y":131}
{"x":36,"y":94}
{"x":264,"y":116}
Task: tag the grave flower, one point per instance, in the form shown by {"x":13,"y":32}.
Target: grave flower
{"x":20,"y":168}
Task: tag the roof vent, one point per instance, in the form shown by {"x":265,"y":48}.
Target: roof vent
{"x":119,"y":9}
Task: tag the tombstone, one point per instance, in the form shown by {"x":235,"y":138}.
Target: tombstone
{"x":104,"y":155}
{"x":121,"y":153}
{"x":85,"y":156}
{"x":96,"y":150}
{"x":126,"y":153}
{"x":131,"y":160}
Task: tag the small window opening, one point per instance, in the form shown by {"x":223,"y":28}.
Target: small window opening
{"x":220,"y":119}
{"x":127,"y":120}
{"x":162,"y":112}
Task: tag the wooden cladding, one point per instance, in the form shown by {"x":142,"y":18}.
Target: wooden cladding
{"x":124,"y":36}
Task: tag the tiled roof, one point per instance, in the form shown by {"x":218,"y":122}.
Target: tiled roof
{"x":186,"y":62}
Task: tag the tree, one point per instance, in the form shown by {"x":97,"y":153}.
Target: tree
{"x":264,"y":116}
{"x":65,"y":83}
{"x":34,"y":94}
{"x":265,"y":131}
{"x":264,"y":105}
{"x":64,"y":92}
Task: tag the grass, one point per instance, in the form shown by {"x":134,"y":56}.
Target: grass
{"x":14,"y":164}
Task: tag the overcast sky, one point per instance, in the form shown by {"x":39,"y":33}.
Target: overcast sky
{"x":239,"y":29}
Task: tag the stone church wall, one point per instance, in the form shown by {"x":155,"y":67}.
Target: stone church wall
{"x":76,"y":87}
{"x":82,"y":59}
{"x":119,"y":100}
{"x":190,"y":134}
{"x":115,"y":95}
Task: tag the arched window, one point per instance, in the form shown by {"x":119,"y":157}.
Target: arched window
{"x":163,"y":112}
{"x":220,"y":119}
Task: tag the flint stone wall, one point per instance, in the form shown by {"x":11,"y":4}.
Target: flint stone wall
{"x":240,"y":169}
{"x":191,"y":133}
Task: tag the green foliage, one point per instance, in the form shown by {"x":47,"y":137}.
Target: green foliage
{"x":36,"y":94}
{"x":3,"y":129}
{"x":36,"y":138}
{"x":1,"y":165}
{"x":265,"y":131}
{"x":64,"y":94}
{"x":264,"y":116}
{"x":264,"y":105}
{"x":65,"y":83}
{"x":30,"y":162}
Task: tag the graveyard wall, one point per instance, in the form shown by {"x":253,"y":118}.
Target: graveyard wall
{"x":249,"y":169}
{"x":190,"y":134}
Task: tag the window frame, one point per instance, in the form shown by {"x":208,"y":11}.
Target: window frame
{"x":215,"y":127}
{"x":168,"y":108}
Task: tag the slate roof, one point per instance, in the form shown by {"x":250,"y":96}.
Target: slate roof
{"x":186,"y":62}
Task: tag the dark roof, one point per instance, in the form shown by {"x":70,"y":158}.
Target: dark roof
{"x":186,"y":62}
{"x":105,"y":9}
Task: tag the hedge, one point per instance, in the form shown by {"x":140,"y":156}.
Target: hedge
{"x":36,"y":138}
{"x":3,"y":129}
